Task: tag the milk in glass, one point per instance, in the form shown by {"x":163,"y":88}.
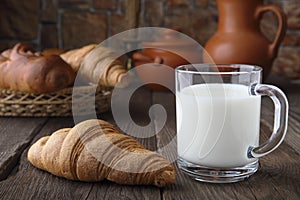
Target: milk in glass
{"x":216,"y":124}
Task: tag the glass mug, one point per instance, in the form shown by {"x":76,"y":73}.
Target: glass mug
{"x":218,"y":120}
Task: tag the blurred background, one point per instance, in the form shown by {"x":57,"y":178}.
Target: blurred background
{"x":69,"y":24}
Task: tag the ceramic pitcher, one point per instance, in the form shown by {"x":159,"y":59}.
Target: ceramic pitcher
{"x":239,"y":38}
{"x":171,"y":49}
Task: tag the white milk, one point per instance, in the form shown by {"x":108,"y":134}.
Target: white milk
{"x":216,"y":124}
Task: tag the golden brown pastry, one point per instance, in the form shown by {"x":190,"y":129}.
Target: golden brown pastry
{"x":52,"y":51}
{"x":87,"y":152}
{"x":96,"y":64}
{"x":75,"y":57}
{"x":22,"y":69}
{"x":6,"y":53}
{"x":102,"y":67}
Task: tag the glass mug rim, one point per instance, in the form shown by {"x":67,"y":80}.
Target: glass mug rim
{"x":214,"y":69}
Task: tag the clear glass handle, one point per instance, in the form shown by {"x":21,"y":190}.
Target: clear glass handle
{"x":280,"y":119}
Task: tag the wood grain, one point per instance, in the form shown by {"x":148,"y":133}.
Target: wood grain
{"x":292,"y":92}
{"x":28,"y":182}
{"x":282,"y":167}
{"x":278,"y":176}
{"x":107,"y":190}
{"x":31,"y":183}
{"x":14,"y":139}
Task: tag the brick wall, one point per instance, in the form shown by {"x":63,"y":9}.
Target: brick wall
{"x":73,"y":23}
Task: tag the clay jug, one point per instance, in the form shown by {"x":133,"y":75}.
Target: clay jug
{"x":172,"y":49}
{"x":239,"y":39}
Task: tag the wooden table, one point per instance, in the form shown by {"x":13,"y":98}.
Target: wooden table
{"x":277,"y":178}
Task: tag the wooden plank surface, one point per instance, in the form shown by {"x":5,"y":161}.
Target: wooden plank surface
{"x":28,"y":182}
{"x":282,"y":165}
{"x":14,"y":139}
{"x":292,"y":90}
{"x":277,"y":178}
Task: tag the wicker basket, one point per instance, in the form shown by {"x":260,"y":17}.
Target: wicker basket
{"x":86,"y":100}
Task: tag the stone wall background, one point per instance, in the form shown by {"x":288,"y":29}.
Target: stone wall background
{"x":69,"y":24}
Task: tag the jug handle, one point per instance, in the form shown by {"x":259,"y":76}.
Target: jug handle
{"x":282,"y":26}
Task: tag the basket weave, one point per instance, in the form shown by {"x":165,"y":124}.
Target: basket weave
{"x":86,"y":100}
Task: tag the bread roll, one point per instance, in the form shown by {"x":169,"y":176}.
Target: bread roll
{"x":28,"y":71}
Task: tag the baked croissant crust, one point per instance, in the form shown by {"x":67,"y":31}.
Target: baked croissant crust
{"x":75,"y":57}
{"x":94,"y":150}
{"x":96,"y":64}
{"x":22,"y":69}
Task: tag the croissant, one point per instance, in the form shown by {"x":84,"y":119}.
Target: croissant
{"x":75,"y":57}
{"x":97,"y":64}
{"x":94,"y":150}
{"x":52,"y":51}
{"x":22,"y":69}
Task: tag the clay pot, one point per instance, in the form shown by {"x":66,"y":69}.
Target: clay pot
{"x":239,"y":40}
{"x":171,"y":50}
